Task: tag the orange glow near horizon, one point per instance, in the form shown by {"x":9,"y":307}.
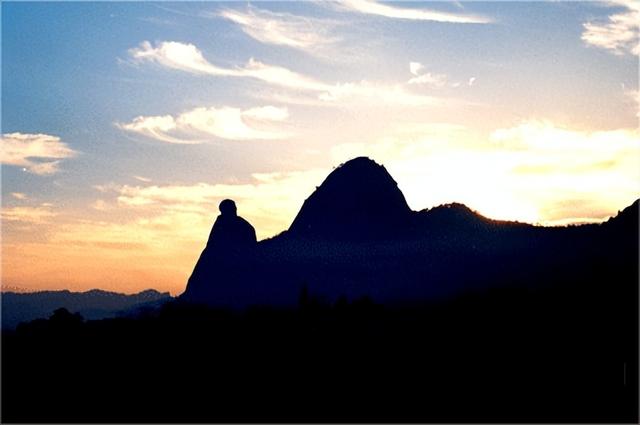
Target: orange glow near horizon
{"x":154,"y":234}
{"x":120,"y":140}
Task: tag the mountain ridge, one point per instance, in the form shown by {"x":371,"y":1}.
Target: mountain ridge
{"x":91,"y":304}
{"x":352,"y":238}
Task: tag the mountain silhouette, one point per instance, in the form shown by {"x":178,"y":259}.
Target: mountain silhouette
{"x":229,"y":249}
{"x":230,"y":233}
{"x":356,"y":236}
{"x":93,"y":304}
{"x":347,"y":313}
{"x":358,"y":200}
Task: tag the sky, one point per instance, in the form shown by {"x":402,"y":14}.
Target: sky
{"x":125,"y":124}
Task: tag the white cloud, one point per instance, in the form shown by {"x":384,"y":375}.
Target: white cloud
{"x":104,"y":188}
{"x":36,"y":153}
{"x":156,"y":127}
{"x":281,"y":76}
{"x":176,"y":55}
{"x":19,"y":195}
{"x":427,"y":78}
{"x":387,"y":94}
{"x":430,"y":79}
{"x":372,"y":7}
{"x":142,"y":179}
{"x":545,"y":136}
{"x":634,"y":97}
{"x":415,"y":67}
{"x":472,"y":81}
{"x":267,"y":113}
{"x":187,"y":57}
{"x":200,"y":124}
{"x":620,"y":33}
{"x":307,"y":34}
{"x":34,"y":215}
{"x":100,"y":205}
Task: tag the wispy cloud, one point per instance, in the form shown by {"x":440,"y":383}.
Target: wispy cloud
{"x":430,"y":79}
{"x":415,"y":68}
{"x":189,"y":58}
{"x":36,"y":153}
{"x":99,"y":205}
{"x":620,"y":33}
{"x":633,"y":96}
{"x":283,"y":29}
{"x":19,"y":195}
{"x":176,"y":55}
{"x":371,"y":7}
{"x":385,"y":93}
{"x":201,"y":124}
{"x":33,"y":215}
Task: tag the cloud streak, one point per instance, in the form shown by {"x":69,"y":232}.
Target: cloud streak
{"x":430,"y":79}
{"x":19,"y":195}
{"x":202,"y":124}
{"x":620,"y":33}
{"x":31,"y":215}
{"x":188,"y":58}
{"x":36,"y":153}
{"x":371,"y":7}
{"x":282,"y":29}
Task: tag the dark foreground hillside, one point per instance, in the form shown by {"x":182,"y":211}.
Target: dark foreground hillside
{"x":567,"y":351}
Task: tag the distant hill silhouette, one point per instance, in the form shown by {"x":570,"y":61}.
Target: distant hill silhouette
{"x":93,"y":304}
{"x":356,"y":236}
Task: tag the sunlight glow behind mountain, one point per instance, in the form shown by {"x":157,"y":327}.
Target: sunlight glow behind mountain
{"x":125,"y":124}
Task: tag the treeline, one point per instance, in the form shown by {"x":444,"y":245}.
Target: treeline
{"x":567,"y":351}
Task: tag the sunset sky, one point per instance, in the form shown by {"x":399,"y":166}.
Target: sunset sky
{"x":125,"y":124}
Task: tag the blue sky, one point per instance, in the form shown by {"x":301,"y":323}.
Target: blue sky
{"x":119,"y":117}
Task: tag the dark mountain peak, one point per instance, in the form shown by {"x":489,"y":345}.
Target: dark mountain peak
{"x":628,"y":217}
{"x":458,"y":208}
{"x":363,"y":163}
{"x":358,"y":199}
{"x":630,"y":211}
{"x":454,"y":209}
{"x":457,"y":217}
{"x":230,"y":232}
